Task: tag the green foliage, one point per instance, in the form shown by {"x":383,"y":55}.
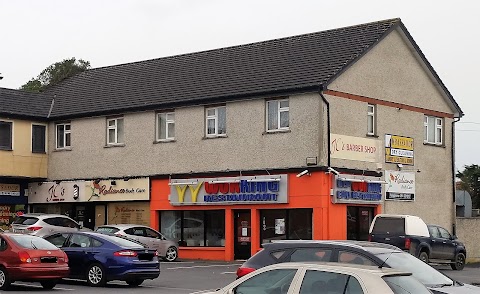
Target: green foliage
{"x":470,"y":177}
{"x":56,"y":73}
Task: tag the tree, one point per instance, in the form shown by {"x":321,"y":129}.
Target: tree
{"x":470,"y":177}
{"x":56,"y":73}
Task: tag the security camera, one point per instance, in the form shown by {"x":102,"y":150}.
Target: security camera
{"x":305,"y":172}
{"x":333,"y":171}
{"x":399,"y":165}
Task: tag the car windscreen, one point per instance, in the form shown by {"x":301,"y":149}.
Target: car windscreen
{"x":420,"y":270}
{"x":122,"y":242}
{"x":107,"y":230}
{"x":33,"y":242}
{"x":25,"y":220}
{"x":387,"y":225}
{"x":405,"y":285}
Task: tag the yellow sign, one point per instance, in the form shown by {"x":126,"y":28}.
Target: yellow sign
{"x":193,"y":191}
{"x":399,"y":149}
{"x":9,"y":190}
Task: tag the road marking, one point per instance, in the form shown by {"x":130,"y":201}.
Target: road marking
{"x":39,"y":286}
{"x":203,"y":266}
{"x":228,"y":273}
{"x":155,"y":287}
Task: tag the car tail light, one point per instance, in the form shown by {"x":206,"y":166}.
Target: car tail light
{"x":242,"y":271}
{"x":24,"y":257}
{"x":34,"y":228}
{"x":408,"y":242}
{"x":156,"y":253}
{"x":128,"y":253}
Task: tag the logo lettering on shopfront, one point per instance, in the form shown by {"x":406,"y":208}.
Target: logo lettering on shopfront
{"x":194,"y":190}
{"x":56,"y":193}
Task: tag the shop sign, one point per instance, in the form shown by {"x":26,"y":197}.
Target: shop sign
{"x":354,"y":148}
{"x":357,"y":190}
{"x":231,"y":190}
{"x":398,"y":149}
{"x":129,"y":213}
{"x":56,"y":192}
{"x":8,"y":213}
{"x":117,"y":190}
{"x":400,"y":185}
{"x":9,"y":189}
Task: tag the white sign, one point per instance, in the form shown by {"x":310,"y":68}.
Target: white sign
{"x":117,"y":190}
{"x":52,"y":192}
{"x":355,"y":148}
{"x":400,"y":185}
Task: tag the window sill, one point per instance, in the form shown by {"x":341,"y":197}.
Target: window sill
{"x":39,"y":152}
{"x":372,"y":135}
{"x":114,"y":145}
{"x":434,"y":145}
{"x":6,"y":149}
{"x":214,"y":137}
{"x":62,"y":149}
{"x":276,"y":132}
{"x":164,"y":141}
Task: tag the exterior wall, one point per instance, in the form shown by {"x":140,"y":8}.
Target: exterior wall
{"x":468,"y":232}
{"x":21,"y":162}
{"x":246,"y":146}
{"x":390,"y":72}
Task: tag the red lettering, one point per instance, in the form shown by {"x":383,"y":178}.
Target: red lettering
{"x":224,"y":187}
{"x":234,"y":187}
{"x":211,"y":188}
{"x":359,"y":187}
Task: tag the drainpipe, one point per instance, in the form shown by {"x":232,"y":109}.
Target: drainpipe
{"x":328,"y":126}
{"x":456,"y":119}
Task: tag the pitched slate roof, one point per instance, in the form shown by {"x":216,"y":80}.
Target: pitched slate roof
{"x":265,"y":68}
{"x":20,"y":104}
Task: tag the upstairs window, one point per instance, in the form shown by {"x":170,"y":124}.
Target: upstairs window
{"x":433,"y":130}
{"x":115,"y":131}
{"x":63,"y":136}
{"x":216,"y":121}
{"x":6,"y":135}
{"x":371,"y":120}
{"x":278,"y":115}
{"x":39,"y":138}
{"x":165,"y":126}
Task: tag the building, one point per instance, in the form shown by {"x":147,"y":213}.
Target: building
{"x":302,"y":137}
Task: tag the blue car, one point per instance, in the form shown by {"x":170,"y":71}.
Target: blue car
{"x":100,"y":258}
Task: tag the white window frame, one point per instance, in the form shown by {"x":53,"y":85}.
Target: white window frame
{"x":13,"y":133}
{"x":46,"y":137}
{"x":65,"y":133}
{"x":438,"y":132}
{"x":115,"y":127}
{"x":167,"y":123}
{"x":215,"y":118}
{"x":279,"y":111}
{"x":371,"y":113}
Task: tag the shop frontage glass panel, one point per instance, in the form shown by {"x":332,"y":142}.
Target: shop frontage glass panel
{"x":359,"y":219}
{"x":215,"y":228}
{"x":285,"y":224}
{"x":300,"y":224}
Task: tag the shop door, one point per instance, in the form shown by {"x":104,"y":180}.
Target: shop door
{"x":85,"y":216}
{"x":359,"y":219}
{"x":243,"y":234}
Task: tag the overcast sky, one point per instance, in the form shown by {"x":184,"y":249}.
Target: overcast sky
{"x":36,"y":33}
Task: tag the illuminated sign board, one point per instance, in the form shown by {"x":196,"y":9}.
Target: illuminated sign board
{"x":398,"y":149}
{"x":229,"y":190}
{"x":400,"y":185}
{"x":357,"y":190}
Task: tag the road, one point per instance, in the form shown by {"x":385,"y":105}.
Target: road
{"x":190,"y":276}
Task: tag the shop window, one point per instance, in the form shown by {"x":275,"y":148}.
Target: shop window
{"x":194,"y":228}
{"x":281,"y":224}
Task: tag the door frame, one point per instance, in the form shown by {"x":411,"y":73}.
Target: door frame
{"x":236,"y":250}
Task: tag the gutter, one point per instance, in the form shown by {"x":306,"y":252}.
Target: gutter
{"x":456,"y":119}
{"x":328,"y":125}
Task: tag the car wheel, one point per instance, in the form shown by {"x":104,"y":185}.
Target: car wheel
{"x":423,"y":256}
{"x":134,"y":283}
{"x":4,"y":279}
{"x":459,"y":262}
{"x":96,"y":275}
{"x":49,"y":284}
{"x":171,"y":254}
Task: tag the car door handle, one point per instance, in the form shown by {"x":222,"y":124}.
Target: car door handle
{"x":444,"y":242}
{"x":433,"y":241}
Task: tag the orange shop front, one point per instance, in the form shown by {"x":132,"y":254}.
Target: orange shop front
{"x":228,"y":218}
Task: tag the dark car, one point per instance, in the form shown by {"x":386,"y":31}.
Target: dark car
{"x":30,"y":258}
{"x":99,"y":258}
{"x":356,"y":252}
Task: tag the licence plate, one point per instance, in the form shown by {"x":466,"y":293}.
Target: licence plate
{"x":18,"y":231}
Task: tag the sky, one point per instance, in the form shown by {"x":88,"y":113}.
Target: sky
{"x":37,"y":33}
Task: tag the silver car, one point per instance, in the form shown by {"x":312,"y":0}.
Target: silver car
{"x":167,"y":249}
{"x":41,"y":225}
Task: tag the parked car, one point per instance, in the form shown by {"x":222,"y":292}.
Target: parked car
{"x":312,"y":278}
{"x":167,"y":249}
{"x":44,"y":224}
{"x":30,"y":258}
{"x":353,"y":252}
{"x":430,"y":243}
{"x":100,"y":258}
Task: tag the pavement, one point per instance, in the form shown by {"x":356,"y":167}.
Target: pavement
{"x":470,"y":274}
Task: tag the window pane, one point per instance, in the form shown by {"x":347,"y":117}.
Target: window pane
{"x":211,"y":112}
{"x":283,"y":103}
{"x":210,"y":126}
{"x":67,"y":127}
{"x":170,"y":116}
{"x":300,"y":224}
{"x":170,"y":224}
{"x":370,"y":109}
{"x":351,"y":257}
{"x":171,"y":130}
{"x":222,"y":120}
{"x":311,"y":254}
{"x":111,"y":136}
{"x":60,"y":136}
{"x":111,"y":123}
{"x":431,"y":130}
{"x":162,"y":126}
{"x":370,"y":124}
{"x":193,"y":228}
{"x":327,"y":282}
{"x":120,"y":131}
{"x":439,"y":136}
{"x":273,"y":281}
{"x":38,"y":138}
{"x":272,"y":225}
{"x":284,"y":119}
{"x":67,"y":140}
{"x":425,"y":133}
{"x":5,"y":135}
{"x":215,"y":227}
{"x":272,"y":115}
